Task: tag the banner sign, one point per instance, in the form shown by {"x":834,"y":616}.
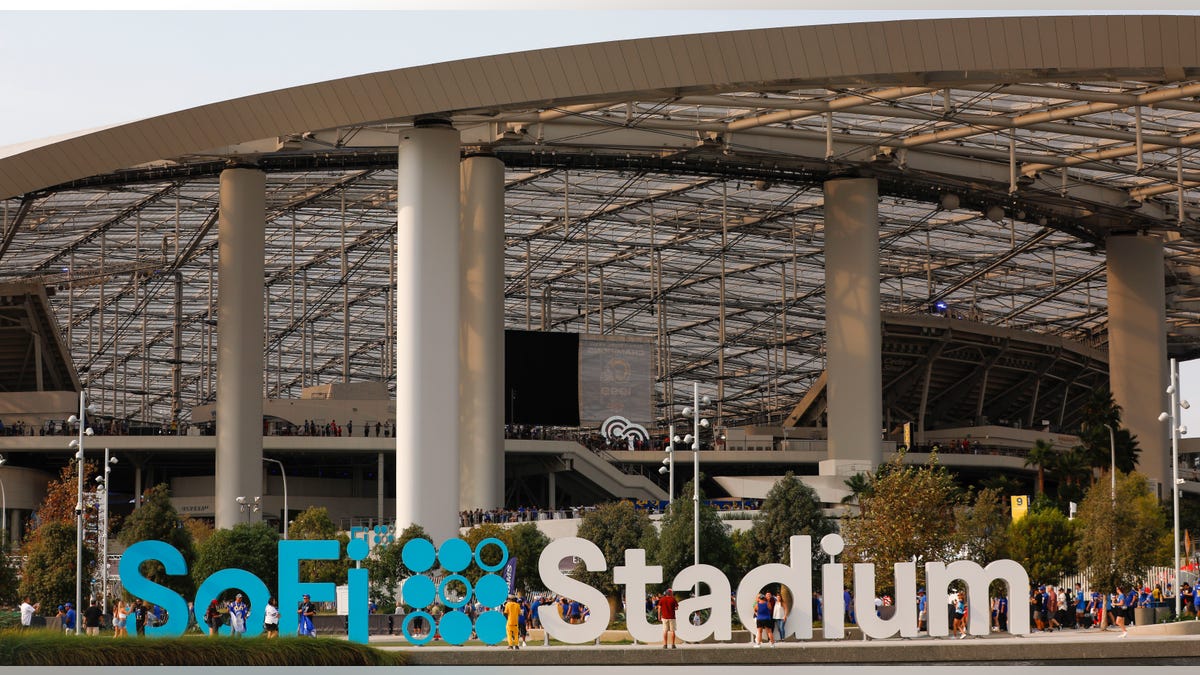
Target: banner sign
{"x":616,"y":378}
{"x":510,"y":574}
{"x":1020,"y":506}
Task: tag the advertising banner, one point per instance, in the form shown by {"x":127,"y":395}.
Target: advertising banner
{"x":616,"y":378}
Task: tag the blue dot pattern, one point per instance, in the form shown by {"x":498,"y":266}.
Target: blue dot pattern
{"x":419,"y":591}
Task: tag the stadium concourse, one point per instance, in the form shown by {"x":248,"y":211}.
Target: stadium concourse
{"x":958,"y":227}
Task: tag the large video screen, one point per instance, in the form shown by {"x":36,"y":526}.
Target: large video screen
{"x":541,"y":378}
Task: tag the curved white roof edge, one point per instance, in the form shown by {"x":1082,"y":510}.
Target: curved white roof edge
{"x":939,"y":51}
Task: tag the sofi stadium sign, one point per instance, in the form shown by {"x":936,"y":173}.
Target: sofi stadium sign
{"x":455,"y":626}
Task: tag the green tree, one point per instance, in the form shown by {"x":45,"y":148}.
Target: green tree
{"x":909,"y":515}
{"x":526,"y":542}
{"x":859,"y":485}
{"x":1043,"y":456}
{"x":1119,"y":538}
{"x":253,"y":547}
{"x":981,"y":526}
{"x":8,"y":576}
{"x":1099,"y":412}
{"x":385,"y":566}
{"x":313,"y":524}
{"x":676,"y":539}
{"x":614,"y":527}
{"x":157,"y":520}
{"x":48,"y":572}
{"x":491,"y":555}
{"x":1044,"y":543}
{"x":48,"y":575}
{"x":791,"y":508}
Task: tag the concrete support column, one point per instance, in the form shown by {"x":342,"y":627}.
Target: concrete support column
{"x":852,"y":325}
{"x":481,"y":337}
{"x":240,"y":226}
{"x":427,"y":326}
{"x":1137,"y":348}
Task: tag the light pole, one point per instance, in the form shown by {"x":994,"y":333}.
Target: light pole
{"x":668,"y":466}
{"x":103,"y":529}
{"x":3,"y":510}
{"x":1176,"y":430}
{"x":84,"y":430}
{"x":285,"y":508}
{"x":694,"y":411}
{"x":1112,"y":471}
{"x":251,"y":504}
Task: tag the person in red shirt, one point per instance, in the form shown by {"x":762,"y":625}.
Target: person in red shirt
{"x":667,"y":605}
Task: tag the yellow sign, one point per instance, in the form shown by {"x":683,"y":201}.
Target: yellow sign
{"x":1020,"y":506}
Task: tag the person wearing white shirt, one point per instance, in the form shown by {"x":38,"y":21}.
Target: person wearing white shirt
{"x":27,"y":612}
{"x":271,"y":619}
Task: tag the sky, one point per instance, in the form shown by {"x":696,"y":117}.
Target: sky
{"x":66,"y":70}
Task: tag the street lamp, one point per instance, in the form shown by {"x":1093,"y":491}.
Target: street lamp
{"x":3,"y":509}
{"x":84,"y":430}
{"x":249,"y":504}
{"x":694,"y":437}
{"x":285,"y":508}
{"x":1176,"y":430}
{"x":668,"y":466}
{"x":102,"y":480}
{"x":1112,"y":471}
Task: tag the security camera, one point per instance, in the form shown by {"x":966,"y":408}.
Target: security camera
{"x":662,"y":470}
{"x":1185,"y":405}
{"x":1163,"y":417}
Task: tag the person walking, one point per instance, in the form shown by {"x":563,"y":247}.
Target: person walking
{"x":93,"y":618}
{"x":306,"y":611}
{"x":667,"y":606}
{"x":271,"y":618}
{"x":68,"y":621}
{"x":212,"y":617}
{"x":238,"y":610}
{"x":512,"y":612}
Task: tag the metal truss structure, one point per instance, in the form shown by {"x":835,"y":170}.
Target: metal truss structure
{"x":695,"y":218}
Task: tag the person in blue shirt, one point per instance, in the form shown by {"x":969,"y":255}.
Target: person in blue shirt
{"x":68,"y":621}
{"x":922,"y":610}
{"x":534,"y":620}
{"x":848,"y":603}
{"x":574,"y":612}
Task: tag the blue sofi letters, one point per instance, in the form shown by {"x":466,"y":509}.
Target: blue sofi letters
{"x":157,"y":594}
{"x":291,"y":589}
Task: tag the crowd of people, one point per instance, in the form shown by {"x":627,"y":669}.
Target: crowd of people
{"x":137,"y":615}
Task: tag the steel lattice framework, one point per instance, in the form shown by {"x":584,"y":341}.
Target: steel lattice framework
{"x":695,"y":219}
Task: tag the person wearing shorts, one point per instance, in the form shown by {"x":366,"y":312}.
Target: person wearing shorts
{"x":667,"y":605}
{"x":763,"y":620}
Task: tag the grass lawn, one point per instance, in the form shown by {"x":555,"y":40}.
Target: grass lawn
{"x":49,"y":648}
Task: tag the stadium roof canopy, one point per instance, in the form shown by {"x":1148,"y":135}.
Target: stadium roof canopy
{"x":660,"y":187}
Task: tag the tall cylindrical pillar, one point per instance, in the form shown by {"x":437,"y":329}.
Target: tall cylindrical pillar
{"x":481,"y":337}
{"x":427,"y":326}
{"x":1137,"y":347}
{"x":240,"y":224}
{"x":852,"y":325}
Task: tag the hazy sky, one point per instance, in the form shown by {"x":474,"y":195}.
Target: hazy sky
{"x":66,"y":71}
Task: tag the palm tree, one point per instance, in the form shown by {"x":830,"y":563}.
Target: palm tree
{"x":860,"y":486}
{"x":1043,"y":456}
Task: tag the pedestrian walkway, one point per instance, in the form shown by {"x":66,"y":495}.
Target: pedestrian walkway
{"x":1069,"y":647}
